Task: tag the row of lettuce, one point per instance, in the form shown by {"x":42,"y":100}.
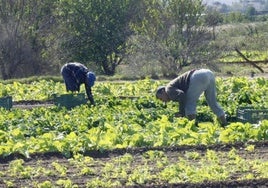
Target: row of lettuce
{"x":126,"y":114}
{"x":153,"y":167}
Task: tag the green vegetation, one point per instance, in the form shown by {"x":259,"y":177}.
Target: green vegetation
{"x":120,"y":120}
{"x":132,"y":40}
{"x":251,"y":55}
{"x":148,"y":37}
{"x":128,"y":170}
{"x":127,"y":115}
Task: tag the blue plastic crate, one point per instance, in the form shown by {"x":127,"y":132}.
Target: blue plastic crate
{"x":251,"y":115}
{"x":6,"y":102}
{"x":70,"y":100}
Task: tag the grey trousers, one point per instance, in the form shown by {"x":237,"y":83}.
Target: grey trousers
{"x":202,"y":80}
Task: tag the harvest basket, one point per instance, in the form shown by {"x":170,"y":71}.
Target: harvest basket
{"x":251,"y":115}
{"x":6,"y":102}
{"x":70,"y":100}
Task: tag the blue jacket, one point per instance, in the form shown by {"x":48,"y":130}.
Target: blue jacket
{"x":75,"y":74}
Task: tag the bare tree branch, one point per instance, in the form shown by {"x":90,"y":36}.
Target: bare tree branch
{"x":250,"y":62}
{"x":238,"y":62}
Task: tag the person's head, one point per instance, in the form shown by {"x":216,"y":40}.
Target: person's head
{"x":161,"y":94}
{"x":90,"y":79}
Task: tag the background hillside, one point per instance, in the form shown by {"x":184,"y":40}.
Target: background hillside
{"x":125,"y":37}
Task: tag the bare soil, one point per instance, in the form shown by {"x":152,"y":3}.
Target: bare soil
{"x":44,"y":160}
{"x":102,"y":157}
{"x":29,"y":104}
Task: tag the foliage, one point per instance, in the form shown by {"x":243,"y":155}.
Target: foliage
{"x":251,"y":55}
{"x":188,"y":33}
{"x":212,"y":19}
{"x":185,"y":41}
{"x":37,"y":37}
{"x":100,"y":34}
{"x":126,"y":115}
{"x":151,"y":167}
{"x":25,"y":27}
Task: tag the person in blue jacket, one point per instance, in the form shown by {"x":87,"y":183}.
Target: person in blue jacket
{"x":75,"y":74}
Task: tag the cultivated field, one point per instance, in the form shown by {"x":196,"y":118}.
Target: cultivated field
{"x":130,"y":139}
{"x":143,"y":167}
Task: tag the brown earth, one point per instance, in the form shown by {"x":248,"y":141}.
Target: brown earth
{"x":29,"y":104}
{"x":102,"y":158}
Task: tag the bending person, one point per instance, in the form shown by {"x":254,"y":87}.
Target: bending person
{"x":75,"y":74}
{"x":187,"y":88}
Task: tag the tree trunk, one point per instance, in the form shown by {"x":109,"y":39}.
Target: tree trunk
{"x":107,"y":69}
{"x":3,"y":72}
{"x":110,"y":65}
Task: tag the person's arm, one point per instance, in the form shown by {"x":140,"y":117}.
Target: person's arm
{"x":182,"y":105}
{"x":89,"y":94}
{"x":178,"y":96}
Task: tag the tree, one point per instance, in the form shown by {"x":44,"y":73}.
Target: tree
{"x":177,"y":25}
{"x":12,"y":44}
{"x":212,"y":19}
{"x":22,"y":34}
{"x":96,"y":31}
{"x":146,"y":48}
{"x":187,"y":35}
{"x":250,"y":13}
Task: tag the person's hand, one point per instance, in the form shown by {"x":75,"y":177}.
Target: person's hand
{"x":178,"y":114}
{"x":91,"y":101}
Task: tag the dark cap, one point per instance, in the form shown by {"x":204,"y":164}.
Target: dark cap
{"x":159,"y":90}
{"x":91,"y":78}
